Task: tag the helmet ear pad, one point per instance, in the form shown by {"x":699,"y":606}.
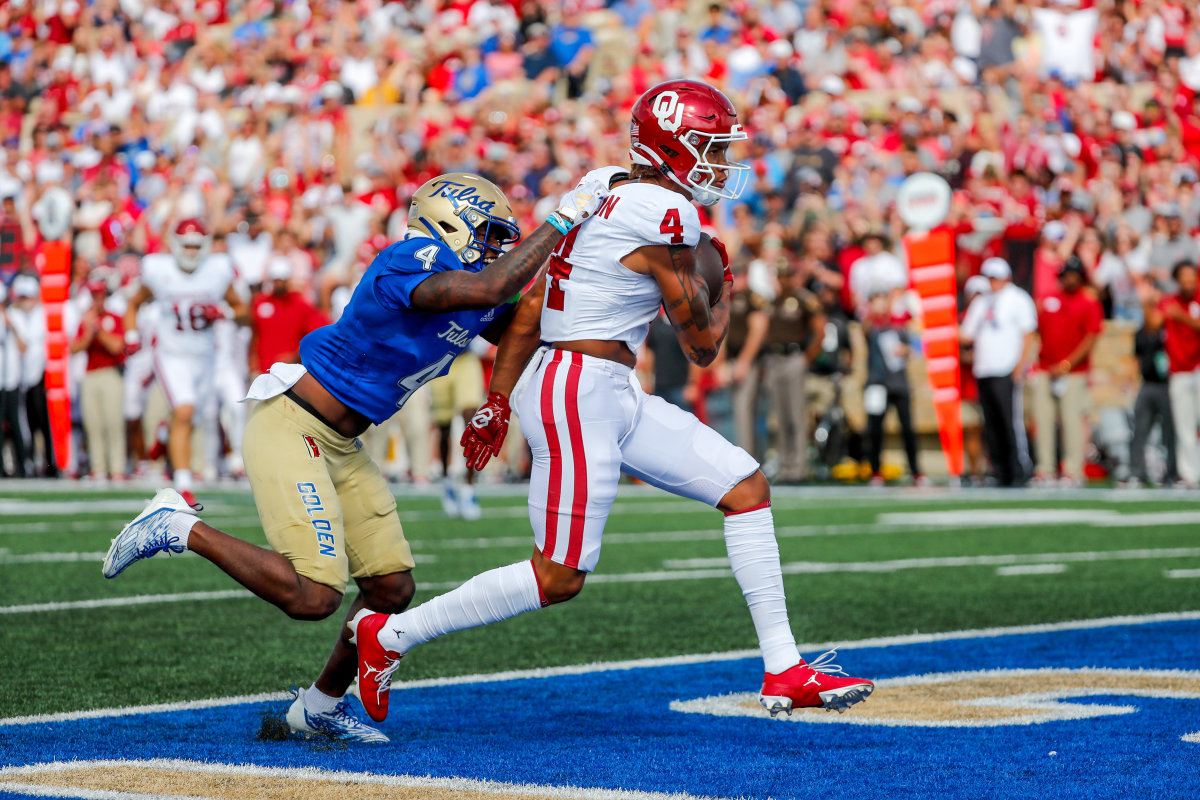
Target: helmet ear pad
{"x":463,"y":211}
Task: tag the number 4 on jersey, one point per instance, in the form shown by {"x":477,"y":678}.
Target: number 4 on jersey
{"x":427,"y":255}
{"x":560,"y":270}
{"x":672,"y":225}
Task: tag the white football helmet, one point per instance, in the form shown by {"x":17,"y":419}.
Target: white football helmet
{"x":190,"y":243}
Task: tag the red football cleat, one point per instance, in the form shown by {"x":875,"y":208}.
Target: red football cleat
{"x":375,"y":664}
{"x":820,"y":684}
{"x":190,"y":499}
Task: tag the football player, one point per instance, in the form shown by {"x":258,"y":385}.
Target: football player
{"x":324,"y":504}
{"x":188,"y":284}
{"x":587,"y":420}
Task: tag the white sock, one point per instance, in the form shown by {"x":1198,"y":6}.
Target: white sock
{"x":183,"y":480}
{"x":492,"y":596}
{"x":318,"y":702}
{"x":180,"y":526}
{"x":754,"y":557}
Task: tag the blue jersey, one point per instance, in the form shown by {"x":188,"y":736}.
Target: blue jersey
{"x":381,"y":350}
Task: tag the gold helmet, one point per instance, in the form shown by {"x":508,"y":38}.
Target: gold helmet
{"x":470,"y":214}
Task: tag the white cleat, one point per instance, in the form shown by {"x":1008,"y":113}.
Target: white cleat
{"x":342,"y":723}
{"x":468,"y":505}
{"x":148,"y":534}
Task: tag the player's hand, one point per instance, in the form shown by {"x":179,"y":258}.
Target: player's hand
{"x":720,"y":246}
{"x":582,"y":201}
{"x":133,"y":342}
{"x":212,"y":312}
{"x":485,"y":434}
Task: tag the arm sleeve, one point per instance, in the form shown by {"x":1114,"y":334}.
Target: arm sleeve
{"x":407,"y":265}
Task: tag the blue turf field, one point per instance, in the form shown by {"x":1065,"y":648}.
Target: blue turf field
{"x":615,"y":729}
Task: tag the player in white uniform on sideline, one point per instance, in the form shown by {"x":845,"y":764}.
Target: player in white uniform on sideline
{"x":189,"y":285}
{"x":587,"y":420}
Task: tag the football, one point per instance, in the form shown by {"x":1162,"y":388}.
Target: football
{"x":710,"y":268}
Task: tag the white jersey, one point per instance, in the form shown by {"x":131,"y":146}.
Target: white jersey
{"x":591,"y":294}
{"x":184,"y":328}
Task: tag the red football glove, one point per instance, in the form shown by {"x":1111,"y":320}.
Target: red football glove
{"x":212,"y":312}
{"x":485,"y":433}
{"x":717,"y":243}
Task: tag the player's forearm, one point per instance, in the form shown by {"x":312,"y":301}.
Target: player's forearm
{"x":518,"y":342}
{"x":719,"y":317}
{"x":458,"y":289}
{"x":685,"y":299}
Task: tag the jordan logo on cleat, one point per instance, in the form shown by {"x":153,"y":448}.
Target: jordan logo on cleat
{"x":813,"y":680}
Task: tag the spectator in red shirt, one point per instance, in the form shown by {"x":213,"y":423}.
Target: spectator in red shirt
{"x":1181,"y":319}
{"x":102,"y":393}
{"x":279,"y":318}
{"x":1069,"y":321}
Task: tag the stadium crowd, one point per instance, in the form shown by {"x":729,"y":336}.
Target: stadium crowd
{"x":296,"y":131}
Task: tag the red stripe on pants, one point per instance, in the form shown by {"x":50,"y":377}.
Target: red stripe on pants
{"x":554,"y":487}
{"x":578,"y":462}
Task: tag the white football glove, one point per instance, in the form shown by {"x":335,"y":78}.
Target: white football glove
{"x":582,"y":201}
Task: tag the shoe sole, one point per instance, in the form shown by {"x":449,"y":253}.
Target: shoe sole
{"x":833,"y":700}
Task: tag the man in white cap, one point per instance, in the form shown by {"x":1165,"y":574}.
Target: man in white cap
{"x":1001,"y":325}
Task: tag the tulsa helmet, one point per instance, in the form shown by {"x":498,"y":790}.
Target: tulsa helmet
{"x":190,"y":242}
{"x":468,"y":213}
{"x":683,"y":129}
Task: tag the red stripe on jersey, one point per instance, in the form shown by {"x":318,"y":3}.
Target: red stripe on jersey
{"x":554,"y":489}
{"x":578,"y":463}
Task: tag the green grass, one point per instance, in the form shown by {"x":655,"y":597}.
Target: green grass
{"x":78,"y":659}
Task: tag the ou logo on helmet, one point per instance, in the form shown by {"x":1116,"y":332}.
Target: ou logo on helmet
{"x":668,"y":110}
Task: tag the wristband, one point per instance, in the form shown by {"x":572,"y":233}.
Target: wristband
{"x":133,"y":337}
{"x":559,"y":222}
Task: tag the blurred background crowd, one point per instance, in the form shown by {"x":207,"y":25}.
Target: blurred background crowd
{"x":1068,"y":130}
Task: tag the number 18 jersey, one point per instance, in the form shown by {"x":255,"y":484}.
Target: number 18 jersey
{"x":186,"y":327}
{"x":591,"y":294}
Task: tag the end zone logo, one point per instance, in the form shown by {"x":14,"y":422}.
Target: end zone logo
{"x":980,"y":699}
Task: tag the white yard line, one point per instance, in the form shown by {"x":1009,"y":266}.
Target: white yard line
{"x":643,"y":663}
{"x":7,"y":557}
{"x":1032,"y":569}
{"x":46,"y":558}
{"x":678,"y":570}
{"x":702,"y":567}
{"x":133,"y":600}
{"x":1182,"y":573}
{"x":315,"y":774}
